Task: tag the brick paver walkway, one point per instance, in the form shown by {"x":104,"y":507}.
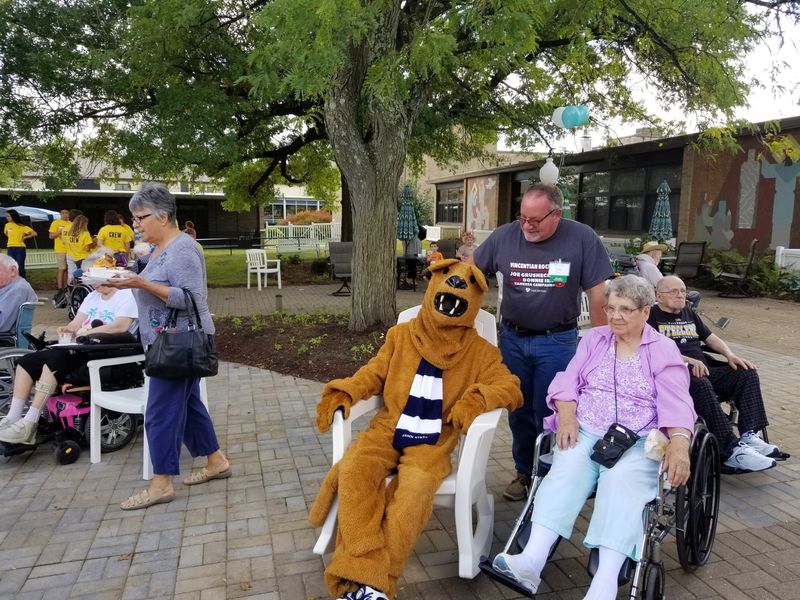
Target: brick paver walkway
{"x":62,"y":534}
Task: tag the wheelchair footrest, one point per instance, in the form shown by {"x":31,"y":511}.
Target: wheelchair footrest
{"x":486,"y":566}
{"x":8,"y":450}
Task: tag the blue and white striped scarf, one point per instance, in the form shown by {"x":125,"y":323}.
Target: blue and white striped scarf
{"x":421,"y":421}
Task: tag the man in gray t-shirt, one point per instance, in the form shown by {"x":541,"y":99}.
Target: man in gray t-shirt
{"x":14,"y":291}
{"x":545,"y":262}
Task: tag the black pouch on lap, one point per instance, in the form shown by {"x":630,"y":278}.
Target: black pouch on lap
{"x":615,"y":442}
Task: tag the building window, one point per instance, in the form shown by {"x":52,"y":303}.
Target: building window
{"x":623,"y":201}
{"x":184,"y":186}
{"x":450,"y":204}
{"x":122,"y":187}
{"x":87,"y":184}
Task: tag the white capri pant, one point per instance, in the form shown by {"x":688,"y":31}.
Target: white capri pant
{"x":622,"y":493}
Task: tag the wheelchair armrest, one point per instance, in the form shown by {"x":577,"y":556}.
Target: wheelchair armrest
{"x":97,"y":364}
{"x":342,"y":429}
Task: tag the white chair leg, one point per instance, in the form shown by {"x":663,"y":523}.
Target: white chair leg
{"x":279,"y":277}
{"x":248,"y":278}
{"x":204,"y":393}
{"x":147,"y":464}
{"x":94,"y":433}
{"x":328,"y":531}
{"x":472,"y":546}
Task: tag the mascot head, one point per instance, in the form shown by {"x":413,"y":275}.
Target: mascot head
{"x":454,"y":294}
{"x":444,"y":327}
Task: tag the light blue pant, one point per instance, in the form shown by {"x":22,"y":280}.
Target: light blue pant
{"x":622,"y":493}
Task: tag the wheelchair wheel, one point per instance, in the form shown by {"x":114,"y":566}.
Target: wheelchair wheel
{"x":116,"y":430}
{"x":697,"y":505}
{"x":67,"y":452}
{"x":77,"y":294}
{"x":8,"y":367}
{"x":654,"y":581}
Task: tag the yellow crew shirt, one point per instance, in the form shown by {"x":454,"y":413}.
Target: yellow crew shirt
{"x":115,"y":238}
{"x":61,"y":226}
{"x":16,"y":234}
{"x":77,"y":245}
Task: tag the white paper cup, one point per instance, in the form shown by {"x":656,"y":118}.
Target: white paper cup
{"x":65,"y":338}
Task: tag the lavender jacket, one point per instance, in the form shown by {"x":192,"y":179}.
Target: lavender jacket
{"x":661,"y":362}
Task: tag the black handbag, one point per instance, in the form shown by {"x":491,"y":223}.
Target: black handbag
{"x":182,"y":354}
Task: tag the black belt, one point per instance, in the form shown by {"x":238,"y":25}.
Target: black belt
{"x":521,"y":331}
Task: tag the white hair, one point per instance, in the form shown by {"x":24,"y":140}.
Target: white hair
{"x":8,"y":262}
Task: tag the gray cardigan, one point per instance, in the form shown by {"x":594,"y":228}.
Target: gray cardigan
{"x":180,"y":265}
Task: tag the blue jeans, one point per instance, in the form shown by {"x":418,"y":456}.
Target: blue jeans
{"x":535,"y":360}
{"x":18,"y":254}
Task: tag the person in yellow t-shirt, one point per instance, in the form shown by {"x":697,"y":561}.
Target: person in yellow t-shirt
{"x":77,"y":240}
{"x":128,"y":229}
{"x":57,"y":228}
{"x":113,"y":236}
{"x":17,"y":232}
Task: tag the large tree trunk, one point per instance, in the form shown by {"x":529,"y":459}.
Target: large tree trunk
{"x":347,"y":211}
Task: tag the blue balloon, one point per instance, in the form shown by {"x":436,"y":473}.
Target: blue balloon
{"x":575,"y":116}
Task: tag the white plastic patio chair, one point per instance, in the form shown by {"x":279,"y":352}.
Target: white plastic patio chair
{"x":259,"y":264}
{"x":461,"y":490}
{"x":132,"y":401}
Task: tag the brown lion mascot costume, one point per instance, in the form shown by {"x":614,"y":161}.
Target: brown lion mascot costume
{"x":436,"y":375}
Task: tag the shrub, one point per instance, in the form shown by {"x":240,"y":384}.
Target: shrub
{"x":320,"y":266}
{"x":307,"y":217}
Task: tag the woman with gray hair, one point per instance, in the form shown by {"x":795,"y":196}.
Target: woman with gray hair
{"x":625,"y":380}
{"x":175,"y":414}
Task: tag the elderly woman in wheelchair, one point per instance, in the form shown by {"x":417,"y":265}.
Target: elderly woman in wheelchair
{"x":626,"y":383}
{"x":105,"y":310}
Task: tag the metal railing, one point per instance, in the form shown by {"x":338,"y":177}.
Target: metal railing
{"x":323,"y":232}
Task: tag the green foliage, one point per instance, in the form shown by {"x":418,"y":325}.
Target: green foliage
{"x":236,"y":323}
{"x":321,"y":266}
{"x":257,"y":324}
{"x":765,"y":278}
{"x":362,"y":352}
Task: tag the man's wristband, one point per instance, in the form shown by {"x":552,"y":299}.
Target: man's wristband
{"x":681,"y":434}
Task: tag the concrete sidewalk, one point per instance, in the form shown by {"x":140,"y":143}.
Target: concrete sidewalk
{"x":62,"y":534}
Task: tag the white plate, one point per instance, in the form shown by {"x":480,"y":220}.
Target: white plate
{"x":97,"y":279}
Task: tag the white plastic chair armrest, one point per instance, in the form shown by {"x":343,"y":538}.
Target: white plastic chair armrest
{"x":342,"y":429}
{"x":95,"y":366}
{"x":475,"y":453}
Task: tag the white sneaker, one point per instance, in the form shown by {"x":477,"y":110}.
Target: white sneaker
{"x":745,"y":458}
{"x":513,"y":565}
{"x":756,"y":443}
{"x":21,"y":432}
{"x":4,"y":422}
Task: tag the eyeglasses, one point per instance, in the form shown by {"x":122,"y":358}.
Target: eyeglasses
{"x":622,"y":311}
{"x":535,"y":222}
{"x":136,"y":219}
{"x":675,"y":292}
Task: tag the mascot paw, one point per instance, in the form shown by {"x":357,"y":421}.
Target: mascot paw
{"x":332,"y":400}
{"x":464,"y":412}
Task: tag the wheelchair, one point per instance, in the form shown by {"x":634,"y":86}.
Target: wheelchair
{"x":73,"y":297}
{"x":64,"y":420}
{"x":691,"y":511}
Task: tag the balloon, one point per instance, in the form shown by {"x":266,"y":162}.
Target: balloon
{"x":570,"y":117}
{"x":548,"y":172}
{"x":557,"y":114}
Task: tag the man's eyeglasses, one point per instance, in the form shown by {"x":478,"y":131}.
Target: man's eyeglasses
{"x":136,"y":219}
{"x":622,"y":311}
{"x":534,"y":222}
{"x":677,"y":292}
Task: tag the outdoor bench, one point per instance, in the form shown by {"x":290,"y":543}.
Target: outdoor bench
{"x":40,"y":260}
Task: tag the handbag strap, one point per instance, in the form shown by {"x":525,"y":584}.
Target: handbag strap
{"x":194,"y":320}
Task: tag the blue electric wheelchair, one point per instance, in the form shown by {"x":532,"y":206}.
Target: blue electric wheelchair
{"x":691,"y":511}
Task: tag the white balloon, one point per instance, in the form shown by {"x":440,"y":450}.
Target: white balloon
{"x":557,"y":116}
{"x":548,"y":172}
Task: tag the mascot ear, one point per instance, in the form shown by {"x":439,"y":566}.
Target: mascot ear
{"x":479,"y":278}
{"x":443,"y":264}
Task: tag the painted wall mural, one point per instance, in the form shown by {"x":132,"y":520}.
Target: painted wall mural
{"x":482,"y":203}
{"x":751,"y":195}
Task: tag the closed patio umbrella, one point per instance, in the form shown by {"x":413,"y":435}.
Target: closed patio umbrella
{"x":407,"y":228}
{"x":661,"y":223}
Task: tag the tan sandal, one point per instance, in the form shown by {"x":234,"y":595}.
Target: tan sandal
{"x":143,"y":499}
{"x":204,"y":475}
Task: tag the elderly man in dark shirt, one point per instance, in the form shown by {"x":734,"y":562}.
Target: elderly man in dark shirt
{"x":14,"y":291}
